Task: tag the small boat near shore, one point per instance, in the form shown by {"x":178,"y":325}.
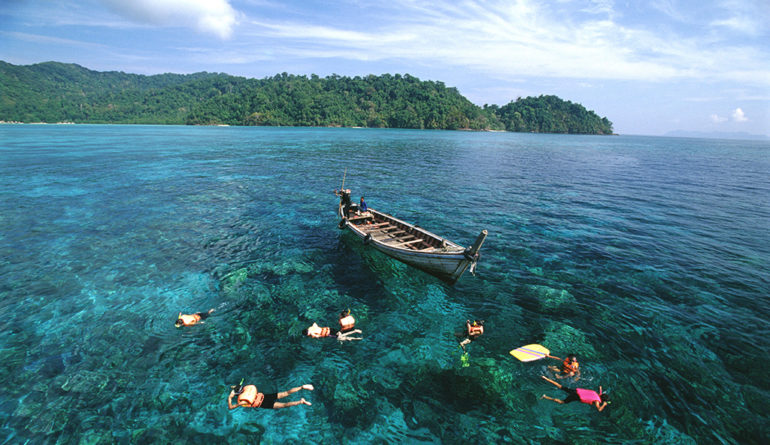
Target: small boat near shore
{"x":411,"y":244}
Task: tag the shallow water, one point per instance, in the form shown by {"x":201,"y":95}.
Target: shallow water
{"x":647,"y":257}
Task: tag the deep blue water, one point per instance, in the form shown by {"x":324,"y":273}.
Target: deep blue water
{"x":648,"y":257}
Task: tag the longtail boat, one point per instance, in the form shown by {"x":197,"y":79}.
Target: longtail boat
{"x":411,"y":244}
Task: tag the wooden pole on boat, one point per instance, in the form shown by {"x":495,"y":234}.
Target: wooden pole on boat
{"x":479,"y":241}
{"x":472,"y":253}
{"x":343,"y":180}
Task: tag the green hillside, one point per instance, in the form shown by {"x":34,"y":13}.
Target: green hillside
{"x":57,"y":92}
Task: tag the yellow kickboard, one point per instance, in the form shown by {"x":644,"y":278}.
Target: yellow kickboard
{"x":530,"y":353}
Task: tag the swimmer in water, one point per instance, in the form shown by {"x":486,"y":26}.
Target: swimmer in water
{"x":250,"y":397}
{"x":569,"y":367}
{"x":191,"y":319}
{"x":473,"y":331}
{"x":316,"y":331}
{"x":598,"y":400}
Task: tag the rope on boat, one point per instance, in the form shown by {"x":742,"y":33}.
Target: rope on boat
{"x":473,"y":258}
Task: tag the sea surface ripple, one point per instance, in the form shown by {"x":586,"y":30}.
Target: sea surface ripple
{"x":646,"y":256}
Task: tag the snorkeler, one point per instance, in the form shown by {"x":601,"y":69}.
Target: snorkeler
{"x":249,"y":397}
{"x":316,"y":331}
{"x":191,"y":319}
{"x":473,"y":331}
{"x":598,"y":400}
{"x":347,"y":322}
{"x":569,"y":367}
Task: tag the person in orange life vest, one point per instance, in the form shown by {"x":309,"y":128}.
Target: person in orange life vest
{"x":347,"y":322}
{"x":191,"y":319}
{"x":316,"y":331}
{"x":249,"y":397}
{"x":473,"y":331}
{"x":598,"y":400}
{"x":569,"y":367}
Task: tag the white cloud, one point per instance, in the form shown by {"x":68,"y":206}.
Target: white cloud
{"x":668,"y":8}
{"x":579,"y":40}
{"x":599,"y":7}
{"x":749,"y":18}
{"x":324,"y":33}
{"x":48,"y":40}
{"x":522,"y":38}
{"x":739,"y":116}
{"x":208,"y":16}
{"x":715,"y":118}
{"x":738,"y":24}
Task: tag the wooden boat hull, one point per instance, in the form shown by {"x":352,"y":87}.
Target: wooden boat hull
{"x":412,"y":245}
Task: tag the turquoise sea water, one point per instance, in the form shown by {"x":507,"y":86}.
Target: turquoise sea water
{"x":648,"y":257}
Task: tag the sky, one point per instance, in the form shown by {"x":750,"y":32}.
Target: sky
{"x":649,"y":66}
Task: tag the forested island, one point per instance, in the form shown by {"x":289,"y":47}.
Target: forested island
{"x":57,"y":92}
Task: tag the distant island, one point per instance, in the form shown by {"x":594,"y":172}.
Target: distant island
{"x":54,"y":92}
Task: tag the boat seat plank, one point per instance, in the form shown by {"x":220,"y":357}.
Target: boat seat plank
{"x":386,"y":237}
{"x":382,"y":235}
{"x":407,"y":243}
{"x":375,"y":228}
{"x":375,"y":232}
{"x":392,"y":231}
{"x":402,"y":238}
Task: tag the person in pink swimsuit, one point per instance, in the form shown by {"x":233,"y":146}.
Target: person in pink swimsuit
{"x":598,"y":400}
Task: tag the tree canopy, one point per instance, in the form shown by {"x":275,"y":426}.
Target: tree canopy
{"x":57,"y":92}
